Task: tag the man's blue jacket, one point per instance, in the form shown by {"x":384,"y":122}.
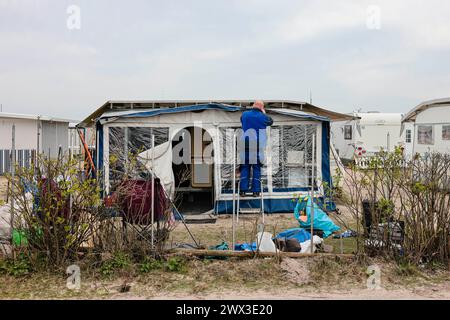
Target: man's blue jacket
{"x":258,"y":121}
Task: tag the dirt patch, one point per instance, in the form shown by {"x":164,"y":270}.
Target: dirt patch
{"x":296,"y":270}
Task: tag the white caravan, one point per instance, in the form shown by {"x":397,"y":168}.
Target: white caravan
{"x":367,"y":135}
{"x":427,"y":127}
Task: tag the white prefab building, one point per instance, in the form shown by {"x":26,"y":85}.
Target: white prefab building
{"x":369,"y":134}
{"x":32,"y":133}
{"x":427,"y":127}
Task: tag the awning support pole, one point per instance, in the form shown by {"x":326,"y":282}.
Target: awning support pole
{"x":13,"y":174}
{"x":313,"y":164}
{"x":233,"y":227}
{"x":153,"y":189}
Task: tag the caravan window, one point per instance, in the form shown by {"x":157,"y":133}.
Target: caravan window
{"x":408,"y":136}
{"x":425,"y":135}
{"x":348,"y":132}
{"x":446,"y":132}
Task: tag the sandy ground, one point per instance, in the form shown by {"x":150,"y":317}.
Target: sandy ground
{"x":435,"y":293}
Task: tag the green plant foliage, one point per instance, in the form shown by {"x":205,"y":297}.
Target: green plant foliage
{"x":119,"y":261}
{"x":176,"y":264}
{"x":150,"y":264}
{"x":405,"y":268}
{"x":16,"y":267}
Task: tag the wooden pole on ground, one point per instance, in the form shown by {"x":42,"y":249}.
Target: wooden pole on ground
{"x":253,"y":254}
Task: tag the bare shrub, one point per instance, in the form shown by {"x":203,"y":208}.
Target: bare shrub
{"x":407,"y":196}
{"x":55,"y":210}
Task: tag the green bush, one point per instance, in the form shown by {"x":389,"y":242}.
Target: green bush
{"x":150,"y":264}
{"x":17,"y":268}
{"x":119,"y":261}
{"x":405,"y":268}
{"x":176,"y":264}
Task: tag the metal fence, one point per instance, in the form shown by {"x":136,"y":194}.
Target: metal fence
{"x":24,"y":159}
{"x":369,"y":162}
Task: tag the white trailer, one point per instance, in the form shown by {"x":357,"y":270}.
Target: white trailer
{"x":364,"y":137}
{"x":427,"y":128}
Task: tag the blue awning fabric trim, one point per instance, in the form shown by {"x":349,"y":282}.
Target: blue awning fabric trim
{"x":157,"y":112}
{"x":201,"y":107}
{"x":326,"y":170}
{"x":270,"y":205}
{"x":284,"y":205}
{"x":98,"y":160}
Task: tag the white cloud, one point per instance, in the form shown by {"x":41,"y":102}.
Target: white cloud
{"x":214,"y":54}
{"x":319,"y":18}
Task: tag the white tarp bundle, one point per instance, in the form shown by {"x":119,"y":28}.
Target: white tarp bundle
{"x":162,"y":166}
{"x":306,"y":245}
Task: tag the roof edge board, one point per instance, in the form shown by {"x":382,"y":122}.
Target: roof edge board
{"x":279,"y":104}
{"x":411,"y":115}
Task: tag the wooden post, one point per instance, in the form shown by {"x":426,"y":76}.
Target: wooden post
{"x":153,"y":189}
{"x":38,"y":141}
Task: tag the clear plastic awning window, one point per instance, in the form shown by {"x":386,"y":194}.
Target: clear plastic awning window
{"x":129,"y":146}
{"x":290,"y":149}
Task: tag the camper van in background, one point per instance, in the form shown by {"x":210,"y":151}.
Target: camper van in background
{"x":366,"y":136}
{"x":427,"y":128}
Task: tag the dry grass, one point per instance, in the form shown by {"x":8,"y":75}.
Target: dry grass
{"x":203,"y":278}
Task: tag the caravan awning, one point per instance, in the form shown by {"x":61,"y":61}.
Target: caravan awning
{"x":108,"y":116}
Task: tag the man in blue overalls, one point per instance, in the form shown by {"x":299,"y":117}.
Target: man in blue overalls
{"x":252,"y":144}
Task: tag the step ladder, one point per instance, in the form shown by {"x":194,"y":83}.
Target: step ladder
{"x":237,"y":197}
{"x":240,"y":210}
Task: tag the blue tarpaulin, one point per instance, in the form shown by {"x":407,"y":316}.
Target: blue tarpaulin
{"x":245,"y":246}
{"x":296,"y":233}
{"x":321,"y":220}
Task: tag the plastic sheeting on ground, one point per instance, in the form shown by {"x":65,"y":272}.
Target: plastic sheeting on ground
{"x":321,"y":220}
{"x":245,"y":246}
{"x":265,"y":243}
{"x":301,"y":235}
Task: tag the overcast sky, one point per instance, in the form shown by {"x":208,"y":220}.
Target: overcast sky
{"x":375,"y":55}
